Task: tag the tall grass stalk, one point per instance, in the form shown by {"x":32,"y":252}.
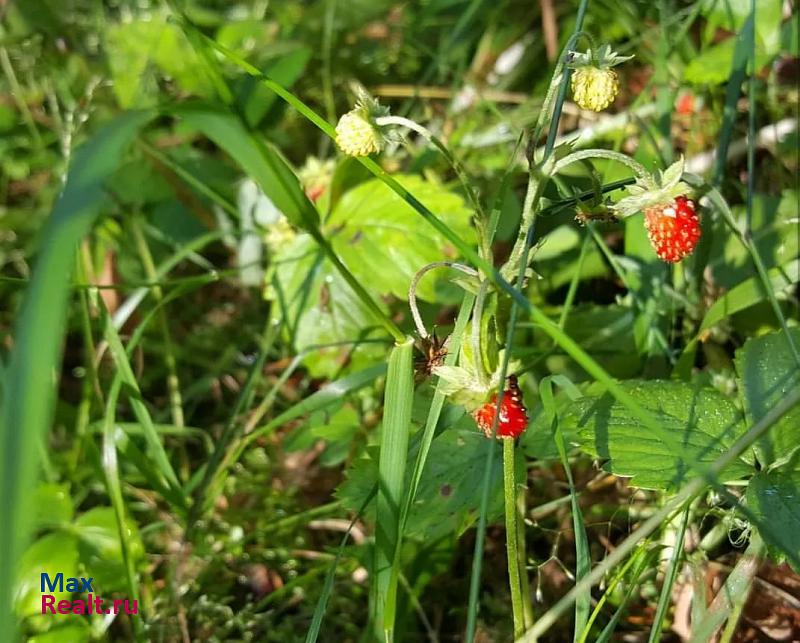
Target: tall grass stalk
{"x":398,"y":400}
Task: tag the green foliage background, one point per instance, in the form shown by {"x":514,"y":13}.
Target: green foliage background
{"x":195,"y":287}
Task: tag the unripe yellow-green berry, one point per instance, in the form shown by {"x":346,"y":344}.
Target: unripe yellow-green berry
{"x":594,"y":88}
{"x":356,"y":136}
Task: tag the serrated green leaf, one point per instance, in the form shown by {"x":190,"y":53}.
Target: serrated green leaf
{"x":384,"y":242}
{"x":775,"y":498}
{"x":768,"y":371}
{"x":321,"y":308}
{"x":448,"y":496}
{"x":673,"y":173}
{"x":705,"y":422}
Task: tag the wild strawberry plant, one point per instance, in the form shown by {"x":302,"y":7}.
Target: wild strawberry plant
{"x":401,"y":325}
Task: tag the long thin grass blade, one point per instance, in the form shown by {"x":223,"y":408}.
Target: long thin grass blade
{"x":114,"y":486}
{"x":582,"y":555}
{"x":399,"y":398}
{"x":131,"y":387}
{"x":669,"y":580}
{"x":29,"y":388}
{"x":733,"y":593}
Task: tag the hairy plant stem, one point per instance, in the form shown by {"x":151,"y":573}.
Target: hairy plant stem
{"x":512,"y":553}
{"x":412,"y":290}
{"x":477,"y":352}
{"x":529,"y":211}
{"x":538,"y":178}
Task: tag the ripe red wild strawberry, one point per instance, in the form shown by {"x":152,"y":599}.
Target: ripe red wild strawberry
{"x":673,"y":228}
{"x":513,"y":415}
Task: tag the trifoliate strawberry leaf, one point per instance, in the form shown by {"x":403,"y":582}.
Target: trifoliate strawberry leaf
{"x":768,"y":371}
{"x":383,"y":240}
{"x":704,"y":421}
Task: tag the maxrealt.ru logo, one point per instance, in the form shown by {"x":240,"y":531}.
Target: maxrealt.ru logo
{"x":90,"y":605}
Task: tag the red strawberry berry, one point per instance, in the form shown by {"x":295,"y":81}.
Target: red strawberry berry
{"x":673,"y":228}
{"x":513,"y":415}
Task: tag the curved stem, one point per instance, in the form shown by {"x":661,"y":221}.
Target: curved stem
{"x":537,"y":181}
{"x":412,"y":289}
{"x":454,"y":163}
{"x":638,"y":169}
{"x":512,"y":555}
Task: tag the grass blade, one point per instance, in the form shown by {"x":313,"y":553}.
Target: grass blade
{"x":732,"y":595}
{"x":738,"y":73}
{"x":115,"y":495}
{"x":28,"y":391}
{"x":157,"y":452}
{"x":582,"y":554}
{"x":669,"y":579}
{"x":327,"y":588}
{"x":398,"y":398}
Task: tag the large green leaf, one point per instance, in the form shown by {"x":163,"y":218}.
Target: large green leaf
{"x":319,"y":307}
{"x":100,"y":548}
{"x":449,"y":493}
{"x":384,"y":241}
{"x":56,"y":552}
{"x":768,"y":371}
{"x":704,"y":421}
{"x":775,"y":498}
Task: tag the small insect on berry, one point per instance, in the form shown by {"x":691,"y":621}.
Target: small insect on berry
{"x":673,"y":228}
{"x":513,"y":415}
{"x":433,"y":352}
